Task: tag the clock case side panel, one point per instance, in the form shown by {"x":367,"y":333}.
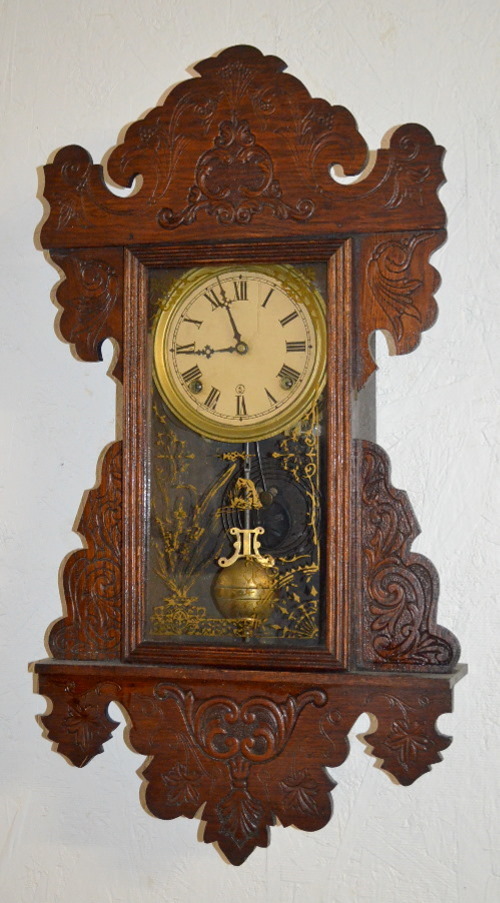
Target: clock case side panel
{"x":90,"y":301}
{"x":394,"y":615}
{"x":333,"y":652}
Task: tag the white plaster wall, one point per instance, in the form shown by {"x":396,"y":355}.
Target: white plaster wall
{"x":76,"y":71}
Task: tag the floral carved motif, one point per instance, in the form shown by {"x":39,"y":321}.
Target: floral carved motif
{"x":242,"y":762}
{"x":91,"y":301}
{"x":399,"y":588}
{"x":213,"y":759}
{"x":406,"y":738}
{"x":92,"y":576}
{"x":302,"y":794}
{"x":397,"y":293}
{"x":234,"y":181}
{"x":391,"y":283}
{"x":244,"y":142}
{"x":409,"y":169}
{"x":79,"y":722}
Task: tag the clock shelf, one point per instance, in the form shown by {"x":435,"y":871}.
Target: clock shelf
{"x":241,"y":751}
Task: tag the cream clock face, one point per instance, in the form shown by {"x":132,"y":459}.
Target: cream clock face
{"x":239,"y":352}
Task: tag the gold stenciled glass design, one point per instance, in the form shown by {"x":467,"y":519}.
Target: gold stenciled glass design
{"x":235,"y":520}
{"x":239,"y":352}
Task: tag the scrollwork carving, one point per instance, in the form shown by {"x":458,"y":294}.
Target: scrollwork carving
{"x":244,"y":760}
{"x":406,"y":738}
{"x":234,"y":181}
{"x":400,"y":588}
{"x":212,"y":760}
{"x":91,"y":300}
{"x":92,"y":576}
{"x":244,"y":143}
{"x":79,"y":722}
{"x":257,"y":729}
{"x":410,"y":169}
{"x":397,"y":291}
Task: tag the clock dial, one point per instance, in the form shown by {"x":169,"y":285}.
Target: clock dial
{"x":239,"y":352}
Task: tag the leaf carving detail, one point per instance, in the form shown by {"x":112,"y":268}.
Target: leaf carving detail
{"x":391,"y":282}
{"x":241,"y":816}
{"x":237,"y":736}
{"x":182,"y":784}
{"x":409,"y":739}
{"x":301,"y":793}
{"x":235,"y":180}
{"x":400,"y":588}
{"x":92,"y":576}
{"x":91,"y":298}
{"x":409,"y":743}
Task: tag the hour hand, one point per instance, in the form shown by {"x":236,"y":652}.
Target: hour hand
{"x":206,"y":351}
{"x":219,"y":350}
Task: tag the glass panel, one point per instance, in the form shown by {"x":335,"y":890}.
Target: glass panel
{"x":235,"y":549}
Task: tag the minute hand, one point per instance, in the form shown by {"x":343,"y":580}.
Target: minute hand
{"x":237,"y":335}
{"x":225,"y":304}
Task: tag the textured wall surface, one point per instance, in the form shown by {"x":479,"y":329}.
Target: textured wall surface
{"x":76,"y":73}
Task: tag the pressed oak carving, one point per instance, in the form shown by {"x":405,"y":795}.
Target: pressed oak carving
{"x":236,"y":171}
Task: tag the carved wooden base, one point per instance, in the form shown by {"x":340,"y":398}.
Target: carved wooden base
{"x":251,"y":754}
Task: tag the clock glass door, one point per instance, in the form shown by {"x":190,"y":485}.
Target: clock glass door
{"x":237,"y":455}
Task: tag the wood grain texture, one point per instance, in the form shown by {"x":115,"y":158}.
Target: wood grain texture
{"x":235,"y":166}
{"x":333,"y":651}
{"x":242,"y":150}
{"x":396,"y":286}
{"x":91,"y":300}
{"x":249,"y":749}
{"x":92,"y":576}
{"x":399,"y":588}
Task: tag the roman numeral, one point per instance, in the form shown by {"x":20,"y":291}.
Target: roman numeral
{"x":295,"y":346}
{"x":271,"y":397}
{"x":212,"y":398}
{"x":197,"y":323}
{"x":287,"y":372}
{"x":192,"y":373}
{"x":266,"y":299}
{"x":288,"y":319}
{"x":241,"y":407}
{"x":185,"y":349}
{"x":240,"y":290}
{"x":211,"y":296}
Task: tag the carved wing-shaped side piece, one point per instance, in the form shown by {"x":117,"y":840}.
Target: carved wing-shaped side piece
{"x":399,"y":587}
{"x":396,"y":290}
{"x":92,"y":576}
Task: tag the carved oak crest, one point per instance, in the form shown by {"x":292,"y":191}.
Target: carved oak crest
{"x":238,"y":156}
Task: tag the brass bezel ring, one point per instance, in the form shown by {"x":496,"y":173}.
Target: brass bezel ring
{"x":295,"y":284}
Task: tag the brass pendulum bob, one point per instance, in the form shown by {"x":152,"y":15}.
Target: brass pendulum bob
{"x":245,"y":587}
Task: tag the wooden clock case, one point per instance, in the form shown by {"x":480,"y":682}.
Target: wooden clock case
{"x":236,"y":166}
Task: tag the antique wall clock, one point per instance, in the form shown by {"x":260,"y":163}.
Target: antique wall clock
{"x":247,"y":586}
